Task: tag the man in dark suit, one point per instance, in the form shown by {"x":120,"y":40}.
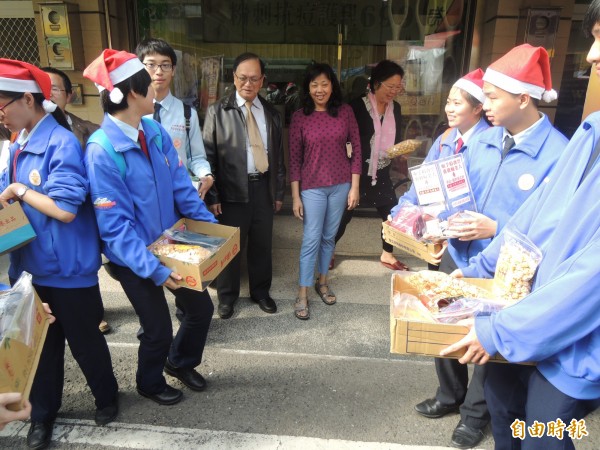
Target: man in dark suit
{"x":61,"y":94}
{"x":243,"y":140}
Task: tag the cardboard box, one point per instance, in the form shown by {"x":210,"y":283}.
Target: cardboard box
{"x":199,"y":276}
{"x":426,"y":339}
{"x":409,"y":244}
{"x":15,"y":229}
{"x":18,"y":362}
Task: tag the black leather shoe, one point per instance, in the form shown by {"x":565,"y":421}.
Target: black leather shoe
{"x":267,"y":304}
{"x":465,"y":436}
{"x":169,"y":396}
{"x":224,"y":311}
{"x":189,"y":377}
{"x":433,"y":409}
{"x":108,"y":413}
{"x":39,"y":434}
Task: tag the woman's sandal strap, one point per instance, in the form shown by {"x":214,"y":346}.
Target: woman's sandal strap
{"x":326,"y":295}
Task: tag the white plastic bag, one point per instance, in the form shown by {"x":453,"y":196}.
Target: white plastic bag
{"x":17,"y":311}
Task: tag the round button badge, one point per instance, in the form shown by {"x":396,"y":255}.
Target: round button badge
{"x":526,"y":181}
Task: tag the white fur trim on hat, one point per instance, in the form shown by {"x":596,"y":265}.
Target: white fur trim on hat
{"x":49,"y":106}
{"x":512,"y":85}
{"x":471,"y":88}
{"x":116,"y":96}
{"x":549,"y":96}
{"x":125,"y":70}
{"x":17,"y":85}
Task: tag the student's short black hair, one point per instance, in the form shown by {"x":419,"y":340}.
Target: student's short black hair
{"x":334,"y":102}
{"x":591,"y":18}
{"x":382,"y":71}
{"x":138,"y":83}
{"x":159,"y":46}
{"x":65,"y":78}
{"x":245,"y":57}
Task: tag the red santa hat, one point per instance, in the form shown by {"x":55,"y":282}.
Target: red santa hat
{"x":523,"y":70}
{"x":473,"y":84}
{"x":110,"y":68}
{"x":19,"y":76}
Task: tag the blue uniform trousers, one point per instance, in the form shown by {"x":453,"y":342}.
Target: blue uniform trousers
{"x":157,"y":342}
{"x":78,"y":312}
{"x":521,"y":392}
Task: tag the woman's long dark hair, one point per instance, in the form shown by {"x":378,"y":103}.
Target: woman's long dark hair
{"x":334,"y":102}
{"x":39,"y":99}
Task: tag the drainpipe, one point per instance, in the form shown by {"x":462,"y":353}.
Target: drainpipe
{"x":107,"y":22}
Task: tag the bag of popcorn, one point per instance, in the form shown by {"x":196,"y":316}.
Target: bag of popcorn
{"x":517,"y":262}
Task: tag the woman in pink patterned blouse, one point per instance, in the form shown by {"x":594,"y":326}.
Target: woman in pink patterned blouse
{"x":325,"y":167}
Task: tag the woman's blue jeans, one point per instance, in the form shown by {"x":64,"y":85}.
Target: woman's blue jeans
{"x":323,"y":209}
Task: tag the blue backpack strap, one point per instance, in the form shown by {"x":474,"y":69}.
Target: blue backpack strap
{"x":99,"y":137}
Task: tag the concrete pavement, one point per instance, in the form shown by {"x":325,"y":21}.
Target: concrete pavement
{"x":274,"y":381}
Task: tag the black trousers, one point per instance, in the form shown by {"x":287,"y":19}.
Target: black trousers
{"x":157,"y":342}
{"x":453,"y":376}
{"x":78,"y":312}
{"x":518,"y":392}
{"x":255,"y":220}
{"x":383,"y":210}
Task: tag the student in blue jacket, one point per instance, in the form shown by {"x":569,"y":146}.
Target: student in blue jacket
{"x":557,"y":326}
{"x":508,"y":162}
{"x":464,"y":110}
{"x":505,"y":164}
{"x":139,"y":188}
{"x":47,"y":176}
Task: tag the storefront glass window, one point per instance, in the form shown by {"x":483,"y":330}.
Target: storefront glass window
{"x":431,"y":39}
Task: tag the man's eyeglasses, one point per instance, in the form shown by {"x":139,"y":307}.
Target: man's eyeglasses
{"x":392,"y":87}
{"x":251,"y":80}
{"x":164,"y":67}
{"x":57,"y":90}
{"x":3,"y":107}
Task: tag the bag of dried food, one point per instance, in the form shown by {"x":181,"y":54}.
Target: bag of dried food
{"x":518,"y":260}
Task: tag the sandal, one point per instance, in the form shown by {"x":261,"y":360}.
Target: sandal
{"x":328,"y":296}
{"x":300,"y":308}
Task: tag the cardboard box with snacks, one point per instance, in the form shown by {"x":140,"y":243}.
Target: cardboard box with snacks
{"x":198,"y":251}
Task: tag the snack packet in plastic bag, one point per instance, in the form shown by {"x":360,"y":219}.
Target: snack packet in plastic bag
{"x":17,"y":311}
{"x":409,"y":220}
{"x":184,"y":236}
{"x":409,"y":307}
{"x":435,"y":286}
{"x":517,"y":262}
{"x":403,"y":148}
{"x":464,"y":308}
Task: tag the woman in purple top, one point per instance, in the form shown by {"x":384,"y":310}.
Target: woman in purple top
{"x":324,"y":174}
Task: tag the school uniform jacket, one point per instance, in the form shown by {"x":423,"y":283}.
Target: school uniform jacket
{"x":65,"y":255}
{"x":441,"y":148}
{"x":133,"y":212}
{"x":500,"y":187}
{"x":558,"y":324}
